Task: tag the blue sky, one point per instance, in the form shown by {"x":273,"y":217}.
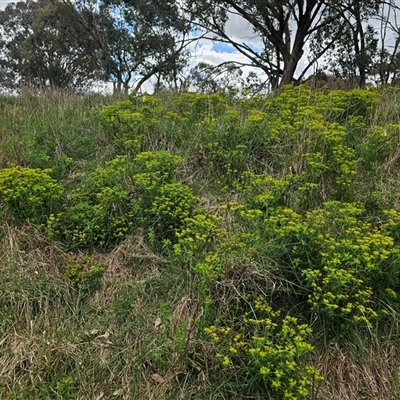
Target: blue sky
{"x":223,"y":48}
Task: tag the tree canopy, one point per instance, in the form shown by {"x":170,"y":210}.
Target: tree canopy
{"x":287,"y":28}
{"x":69,"y":44}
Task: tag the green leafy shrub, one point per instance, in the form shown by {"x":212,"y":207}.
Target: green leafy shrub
{"x":173,"y":204}
{"x":84,"y":273}
{"x":83,"y":270}
{"x":159,"y":209}
{"x":154,"y":169}
{"x":226,"y":164}
{"x":265,"y":355}
{"x":121,"y":118}
{"x":343,"y":264}
{"x":263,"y":192}
{"x":377,"y":149}
{"x":212,"y":252}
{"x":29,"y":193}
{"x":329,"y":170}
{"x":144,"y":122}
{"x":198,"y":237}
{"x":231,"y":250}
{"x":340,"y":105}
{"x":99,"y":212}
{"x":124,"y":124}
{"x":197,"y":107}
{"x":112,"y":201}
{"x":361,"y":102}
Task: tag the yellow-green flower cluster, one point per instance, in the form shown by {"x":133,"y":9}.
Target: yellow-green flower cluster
{"x":284,"y":222}
{"x":198,"y":235}
{"x":197,"y":107}
{"x":174,"y":203}
{"x":229,"y":252}
{"x":344,"y":162}
{"x":99,"y":211}
{"x":391,"y":225}
{"x":341,"y":258}
{"x":153,"y":169}
{"x":29,"y":192}
{"x":212,"y":250}
{"x":82,"y":269}
{"x":270,"y":349}
{"x":262,"y":191}
{"x":226,"y":161}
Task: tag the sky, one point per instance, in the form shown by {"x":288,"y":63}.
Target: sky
{"x":215,"y":53}
{"x":3,"y":4}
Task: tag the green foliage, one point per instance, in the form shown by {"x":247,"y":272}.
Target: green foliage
{"x":83,"y":270}
{"x":225,"y":164}
{"x":361,"y":102}
{"x":266,"y":354}
{"x":29,"y":193}
{"x":198,"y":107}
{"x":200,"y":233}
{"x":54,"y":131}
{"x":56,"y":45}
{"x":263,"y":192}
{"x":123,"y":123}
{"x":342,"y":264}
{"x":329,"y":170}
{"x":212,"y":252}
{"x":153,"y":169}
{"x":201,"y":205}
{"x":174,"y":203}
{"x":99,"y":212}
{"x":125,"y":194}
{"x":45,"y":48}
{"x":162,"y":202}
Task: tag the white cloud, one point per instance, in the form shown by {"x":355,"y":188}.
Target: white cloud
{"x":3,"y":3}
{"x":204,"y":52}
{"x":240,"y":30}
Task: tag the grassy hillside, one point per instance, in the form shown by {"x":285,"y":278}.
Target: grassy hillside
{"x":200,"y":247}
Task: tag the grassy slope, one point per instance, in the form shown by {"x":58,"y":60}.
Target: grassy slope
{"x":66,"y":341}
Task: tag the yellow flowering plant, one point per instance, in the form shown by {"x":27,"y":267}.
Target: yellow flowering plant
{"x":341,"y":263}
{"x":29,"y":193}
{"x":266,"y":353}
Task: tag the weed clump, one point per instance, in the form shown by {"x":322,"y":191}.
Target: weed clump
{"x":266,"y":353}
{"x":29,"y":193}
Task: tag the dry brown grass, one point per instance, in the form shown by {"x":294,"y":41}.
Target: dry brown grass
{"x":368,"y":373}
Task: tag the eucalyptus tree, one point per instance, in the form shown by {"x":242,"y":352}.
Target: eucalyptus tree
{"x":387,"y":60}
{"x":352,"y":57}
{"x":135,"y":40}
{"x":205,"y":78}
{"x":285,"y":29}
{"x":16,"y":22}
{"x":42,"y":47}
{"x":57,"y":53}
{"x":70,"y":44}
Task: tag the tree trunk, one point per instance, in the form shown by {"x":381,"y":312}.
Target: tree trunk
{"x":290,"y":65}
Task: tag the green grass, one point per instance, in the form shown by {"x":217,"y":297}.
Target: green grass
{"x":292,"y":198}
